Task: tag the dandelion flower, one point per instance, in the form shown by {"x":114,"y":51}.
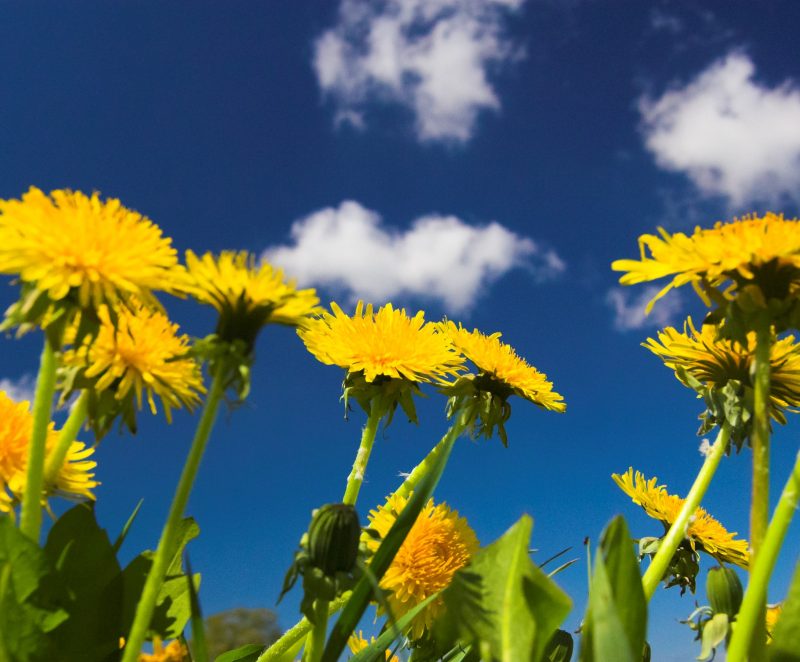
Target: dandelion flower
{"x":704,"y":532}
{"x":714,"y":361}
{"x":501,"y":370}
{"x":439,"y":543}
{"x":773,"y":614}
{"x":737,"y":251}
{"x":74,"y":478}
{"x":78,"y":247}
{"x":140,"y":353}
{"x":246,"y":296}
{"x":386,"y":343}
{"x":175,"y":651}
{"x":357,"y":643}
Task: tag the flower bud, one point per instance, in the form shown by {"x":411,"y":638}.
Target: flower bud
{"x":333,"y":538}
{"x":724,"y":591}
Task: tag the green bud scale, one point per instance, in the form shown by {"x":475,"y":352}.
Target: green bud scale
{"x":333,"y":538}
{"x":724,"y":591}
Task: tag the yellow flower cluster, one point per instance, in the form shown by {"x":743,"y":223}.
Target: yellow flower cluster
{"x":728,"y":251}
{"x":704,"y":532}
{"x":439,"y":543}
{"x":74,"y":479}
{"x":357,"y":643}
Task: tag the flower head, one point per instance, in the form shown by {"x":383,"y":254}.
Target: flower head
{"x":246,"y":296}
{"x":174,"y":651}
{"x":357,"y":643}
{"x":138,"y":352}
{"x":439,"y":543}
{"x":704,"y":532}
{"x":75,"y":251}
{"x":738,"y":252}
{"x":713,"y":361}
{"x":773,"y":614}
{"x":74,"y":479}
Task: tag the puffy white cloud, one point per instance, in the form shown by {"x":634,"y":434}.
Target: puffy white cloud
{"x":19,"y":389}
{"x":348,"y":249}
{"x":431,"y":56}
{"x":731,"y":135}
{"x":629,"y":306}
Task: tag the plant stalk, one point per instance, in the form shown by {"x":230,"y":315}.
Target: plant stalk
{"x":31,"y":520}
{"x":750,"y":621}
{"x":68,"y":434}
{"x":677,"y":532}
{"x":315,"y":643}
{"x":166,"y":544}
{"x":377,"y":409}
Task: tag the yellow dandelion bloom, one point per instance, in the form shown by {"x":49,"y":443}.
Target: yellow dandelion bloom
{"x":141,"y":353}
{"x":729,"y":251}
{"x":773,"y":614}
{"x":69,"y":242}
{"x":704,"y":532}
{"x":386,"y":343}
{"x":357,"y":643}
{"x":714,"y":361}
{"x":246,"y":295}
{"x":74,"y":479}
{"x":175,"y":651}
{"x":509,"y":372}
{"x":439,"y":543}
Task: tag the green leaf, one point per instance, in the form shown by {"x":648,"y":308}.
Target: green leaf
{"x":199,"y":644}
{"x":355,"y":607}
{"x":248,"y":653}
{"x":559,"y":648}
{"x":785,"y":646}
{"x":32,"y":598}
{"x":503,"y":603}
{"x":714,"y":632}
{"x":85,"y":559}
{"x":616,"y":618}
{"x":124,"y":533}
{"x":173,"y":607}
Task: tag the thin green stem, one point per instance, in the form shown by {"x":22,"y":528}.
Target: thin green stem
{"x":315,"y":643}
{"x":68,"y":434}
{"x":750,"y":621}
{"x":31,"y":520}
{"x":166,"y":545}
{"x":293,"y":636}
{"x":677,"y":532}
{"x":376,"y":411}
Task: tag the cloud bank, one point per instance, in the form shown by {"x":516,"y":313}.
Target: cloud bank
{"x":19,"y":389}
{"x":731,"y":135}
{"x":628,"y":308}
{"x":347,"y":248}
{"x":433,"y":57}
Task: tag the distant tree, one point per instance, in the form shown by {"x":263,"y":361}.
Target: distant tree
{"x":238,"y":627}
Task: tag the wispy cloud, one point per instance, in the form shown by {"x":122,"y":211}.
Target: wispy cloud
{"x":433,"y":57}
{"x":629,"y":308}
{"x":348,"y":249}
{"x":18,"y":389}
{"x":731,"y":135}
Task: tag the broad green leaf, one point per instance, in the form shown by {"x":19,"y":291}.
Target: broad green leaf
{"x":785,"y":646}
{"x":33,"y":601}
{"x":173,"y":607}
{"x":503,"y":603}
{"x":616,"y":617}
{"x":85,"y":559}
{"x":248,"y":653}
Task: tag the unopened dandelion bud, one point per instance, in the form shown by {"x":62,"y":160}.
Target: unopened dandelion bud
{"x":724,"y":591}
{"x":333,"y":538}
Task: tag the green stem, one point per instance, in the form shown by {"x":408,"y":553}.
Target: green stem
{"x":315,"y":643}
{"x":376,"y":411}
{"x":293,"y":636}
{"x":750,"y":621}
{"x":67,"y":435}
{"x":166,"y":545}
{"x":31,"y":520}
{"x":677,"y":532}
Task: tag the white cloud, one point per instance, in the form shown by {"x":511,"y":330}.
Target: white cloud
{"x":19,"y":389}
{"x":348,"y":249}
{"x":731,"y":135}
{"x":628,"y":307}
{"x":431,"y":56}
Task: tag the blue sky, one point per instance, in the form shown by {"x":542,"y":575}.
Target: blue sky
{"x":486,"y":160}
